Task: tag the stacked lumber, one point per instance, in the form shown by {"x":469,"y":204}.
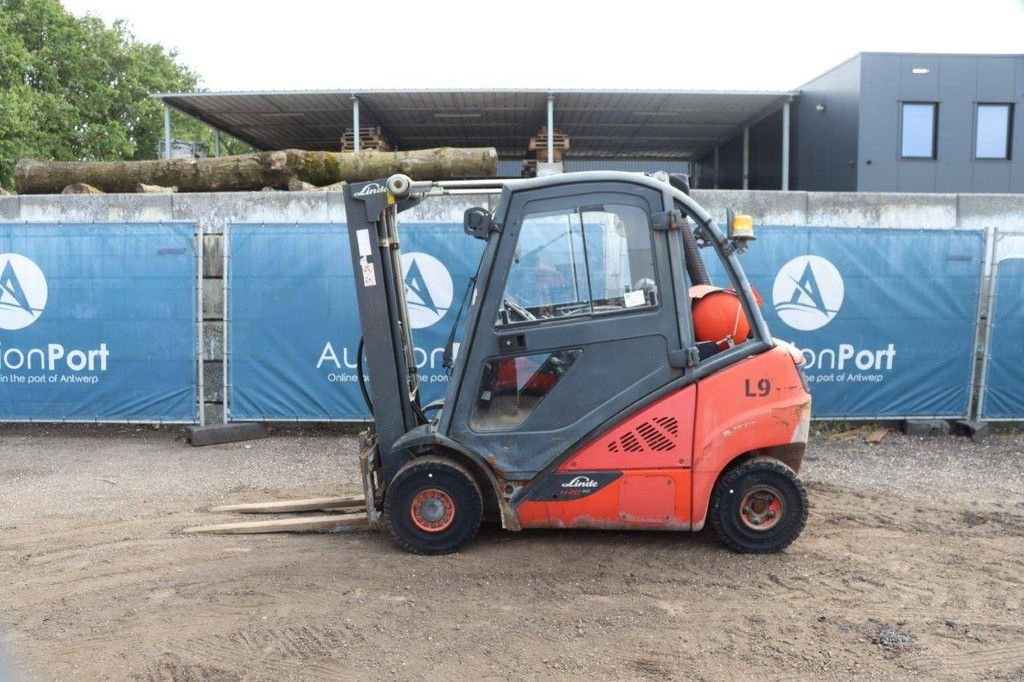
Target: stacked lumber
{"x":369,"y":138}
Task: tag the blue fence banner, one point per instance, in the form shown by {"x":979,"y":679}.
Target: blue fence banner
{"x":886,"y":318}
{"x":1002,"y":396}
{"x":98,"y":322}
{"x":293,"y":321}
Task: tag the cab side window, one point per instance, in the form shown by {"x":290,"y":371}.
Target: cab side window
{"x":588,"y":260}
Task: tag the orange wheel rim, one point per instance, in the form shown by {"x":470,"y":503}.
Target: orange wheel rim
{"x":762,"y":508}
{"x":432,"y":510}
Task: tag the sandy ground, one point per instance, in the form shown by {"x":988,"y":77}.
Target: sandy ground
{"x":912,"y":563}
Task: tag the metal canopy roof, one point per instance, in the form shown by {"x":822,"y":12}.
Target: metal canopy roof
{"x":600,"y":123}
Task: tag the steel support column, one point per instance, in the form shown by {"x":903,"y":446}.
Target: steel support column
{"x":785,"y":146}
{"x":167,"y":132}
{"x":216,"y":142}
{"x":746,"y":158}
{"x":355,"y":122}
{"x":716,"y":168}
{"x":551,"y":128}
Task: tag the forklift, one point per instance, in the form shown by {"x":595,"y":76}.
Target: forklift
{"x":602,"y":380}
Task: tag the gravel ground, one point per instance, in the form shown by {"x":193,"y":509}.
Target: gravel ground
{"x":990,"y":471}
{"x":912,"y":564}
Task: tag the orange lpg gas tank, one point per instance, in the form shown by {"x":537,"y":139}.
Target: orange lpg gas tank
{"x":718,"y":315}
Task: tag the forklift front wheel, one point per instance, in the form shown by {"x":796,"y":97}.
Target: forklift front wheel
{"x":433,"y":506}
{"x":759,"y":507}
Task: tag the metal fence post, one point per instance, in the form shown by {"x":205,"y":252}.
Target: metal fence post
{"x":167,"y":131}
{"x":226,"y":263}
{"x":993,"y":242}
{"x":200,"y":364}
{"x":355,"y":123}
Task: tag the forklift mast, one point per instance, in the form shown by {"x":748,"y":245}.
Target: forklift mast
{"x":393,"y":393}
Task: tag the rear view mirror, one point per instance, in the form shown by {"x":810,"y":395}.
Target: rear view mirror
{"x":477,"y":222}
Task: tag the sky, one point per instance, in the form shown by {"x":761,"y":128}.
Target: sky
{"x":681,"y":45}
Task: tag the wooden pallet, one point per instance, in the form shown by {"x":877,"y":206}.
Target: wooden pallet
{"x":369,"y":138}
{"x":539,"y":145}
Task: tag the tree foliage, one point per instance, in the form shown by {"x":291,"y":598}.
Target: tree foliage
{"x":74,"y":89}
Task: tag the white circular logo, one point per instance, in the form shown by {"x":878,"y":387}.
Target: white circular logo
{"x":428,"y":288}
{"x":808,"y":292}
{"x":23,"y":291}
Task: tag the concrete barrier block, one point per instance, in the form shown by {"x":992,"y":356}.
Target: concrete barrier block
{"x":925,"y":427}
{"x":985,"y":211}
{"x":212,"y":434}
{"x":214,"y":210}
{"x":213,"y":255}
{"x":214,"y":413}
{"x":976,"y":431}
{"x":213,"y":382}
{"x":335,"y":206}
{"x":10,"y":208}
{"x":862,"y":209}
{"x":444,"y":209}
{"x":213,"y":340}
{"x":97,"y":208}
{"x":213,"y":299}
{"x":766,"y":207}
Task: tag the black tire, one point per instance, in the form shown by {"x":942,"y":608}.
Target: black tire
{"x":775,"y":511}
{"x":432,"y":491}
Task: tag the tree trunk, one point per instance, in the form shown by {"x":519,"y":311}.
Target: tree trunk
{"x":252,"y":172}
{"x":143,"y":188}
{"x":80,"y":188}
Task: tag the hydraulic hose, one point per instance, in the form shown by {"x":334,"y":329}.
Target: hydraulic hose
{"x":362,"y":379}
{"x":694,"y":265}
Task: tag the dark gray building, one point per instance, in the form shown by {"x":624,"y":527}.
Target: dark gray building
{"x":884,"y":122}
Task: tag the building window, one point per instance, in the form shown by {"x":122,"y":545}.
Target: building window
{"x":992,"y":131}
{"x":920,"y":122}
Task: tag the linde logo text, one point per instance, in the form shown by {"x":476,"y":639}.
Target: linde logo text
{"x":372,"y":188}
{"x":23,"y":291}
{"x":808,"y":292}
{"x":581,"y":482}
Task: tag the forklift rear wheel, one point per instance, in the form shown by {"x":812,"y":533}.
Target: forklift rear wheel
{"x":433,"y":506}
{"x":759,"y":507}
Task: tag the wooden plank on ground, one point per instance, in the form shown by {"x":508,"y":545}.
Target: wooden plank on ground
{"x":301,"y":524}
{"x":286,"y":506}
{"x":849,"y":433}
{"x":876,"y":436}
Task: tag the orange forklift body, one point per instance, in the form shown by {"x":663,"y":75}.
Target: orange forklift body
{"x":672,"y":452}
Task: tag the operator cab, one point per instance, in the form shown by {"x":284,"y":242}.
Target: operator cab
{"x":583,"y":307}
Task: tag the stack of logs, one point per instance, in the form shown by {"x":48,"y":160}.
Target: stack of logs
{"x":369,"y":139}
{"x":538,"y":149}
